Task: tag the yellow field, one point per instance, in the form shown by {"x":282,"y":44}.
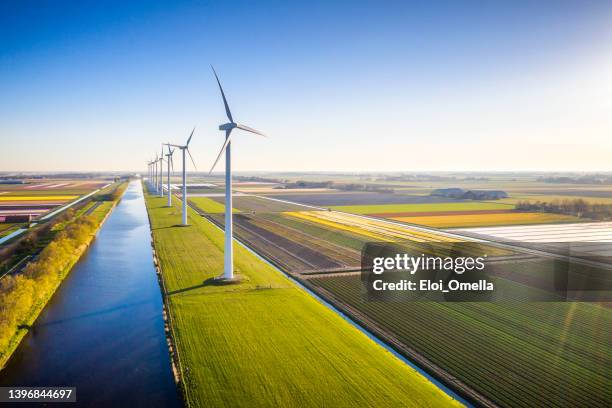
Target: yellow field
{"x":371,"y":228}
{"x":39,"y":198}
{"x":377,"y":230}
{"x":481,"y":220}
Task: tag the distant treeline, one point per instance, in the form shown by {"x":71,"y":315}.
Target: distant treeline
{"x":430,"y":177}
{"x":256,"y":179}
{"x":338,"y":186}
{"x":577,"y":207}
{"x":461,"y":194}
{"x":590,"y":179}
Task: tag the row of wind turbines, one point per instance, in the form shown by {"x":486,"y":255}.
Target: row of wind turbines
{"x":155,"y":178}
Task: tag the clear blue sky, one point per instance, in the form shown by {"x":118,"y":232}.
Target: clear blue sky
{"x":476,"y":85}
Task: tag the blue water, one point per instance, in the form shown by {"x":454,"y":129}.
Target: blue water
{"x":103,"y":331}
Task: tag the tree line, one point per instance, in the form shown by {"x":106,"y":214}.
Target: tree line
{"x":19,"y":294}
{"x":576,"y":207}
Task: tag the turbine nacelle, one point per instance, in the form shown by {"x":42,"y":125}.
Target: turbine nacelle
{"x":228,"y":126}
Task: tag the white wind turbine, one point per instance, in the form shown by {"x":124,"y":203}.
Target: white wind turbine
{"x":228,"y":260}
{"x":185,"y":148}
{"x":170,"y":164}
{"x":154,"y":181}
{"x":160,"y":180}
{"x":148,"y":171}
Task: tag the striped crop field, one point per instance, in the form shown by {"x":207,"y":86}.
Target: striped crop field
{"x":18,"y":198}
{"x":486,"y":219}
{"x":599,"y":232}
{"x":371,"y":228}
{"x":517,"y":354}
{"x":264,"y":341}
{"x":381,"y":209}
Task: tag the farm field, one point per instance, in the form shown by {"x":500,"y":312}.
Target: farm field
{"x":333,"y":199}
{"x":208,"y":205}
{"x":252,"y":344}
{"x":516,"y":354}
{"x":371,"y":228}
{"x":295,"y":247}
{"x":36,"y":197}
{"x":480,"y":219}
{"x":254,"y":204}
{"x":514,"y":198}
{"x":502,"y":351}
{"x":429,"y":208}
{"x":598,"y":232}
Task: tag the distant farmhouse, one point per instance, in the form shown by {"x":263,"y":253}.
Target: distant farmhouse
{"x":12,"y":181}
{"x":461,"y":194}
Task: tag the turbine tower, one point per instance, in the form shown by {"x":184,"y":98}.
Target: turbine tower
{"x":185,"y":148}
{"x":160,"y":180}
{"x":228,"y":259}
{"x":170,"y":164}
{"x":149,"y":163}
{"x":155,"y":173}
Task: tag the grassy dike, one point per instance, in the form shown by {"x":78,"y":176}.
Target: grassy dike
{"x":265,"y":341}
{"x":99,"y":215}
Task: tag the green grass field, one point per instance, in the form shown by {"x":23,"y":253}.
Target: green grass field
{"x":208,"y":205}
{"x":428,"y":207}
{"x":265,"y":342}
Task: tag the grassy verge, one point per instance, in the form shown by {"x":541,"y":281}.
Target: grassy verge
{"x":266,"y":342}
{"x":208,"y":205}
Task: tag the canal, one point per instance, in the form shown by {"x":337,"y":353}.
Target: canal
{"x":103,"y":331}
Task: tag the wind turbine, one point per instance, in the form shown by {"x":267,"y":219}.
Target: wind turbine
{"x":148,"y":171}
{"x":228,"y":259}
{"x":154,"y":178}
{"x":185,"y":148}
{"x":161,"y":172}
{"x":170,"y":164}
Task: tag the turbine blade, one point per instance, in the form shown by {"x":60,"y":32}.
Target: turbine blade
{"x":190,"y":136}
{"x":191,"y":157}
{"x":227,"y":109}
{"x":249,"y":129}
{"x":227,"y":140}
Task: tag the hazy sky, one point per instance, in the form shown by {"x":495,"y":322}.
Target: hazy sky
{"x":431,"y":85}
